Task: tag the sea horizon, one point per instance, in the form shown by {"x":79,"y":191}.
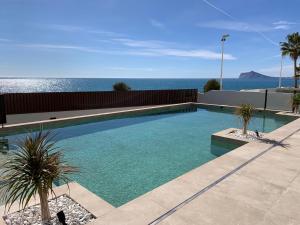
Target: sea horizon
{"x":19,"y":85}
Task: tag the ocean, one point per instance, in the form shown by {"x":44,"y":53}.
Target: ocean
{"x":17,"y":85}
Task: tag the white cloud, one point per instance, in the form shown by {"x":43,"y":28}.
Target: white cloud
{"x":160,"y":51}
{"x":4,"y":40}
{"x":203,"y":54}
{"x":287,"y":70}
{"x":161,"y":48}
{"x":141,"y":44}
{"x":70,"y":28}
{"x":57,"y":46}
{"x":283,"y":25}
{"x":235,"y":26}
{"x":156,"y":24}
{"x":246,"y":27}
{"x":119,"y":68}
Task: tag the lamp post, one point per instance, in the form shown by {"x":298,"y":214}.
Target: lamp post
{"x":280,"y":77}
{"x":224,"y":37}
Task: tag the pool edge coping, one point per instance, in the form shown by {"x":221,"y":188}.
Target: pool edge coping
{"x":9,"y":127}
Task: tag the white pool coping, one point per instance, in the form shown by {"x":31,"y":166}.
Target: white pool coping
{"x":35,"y":124}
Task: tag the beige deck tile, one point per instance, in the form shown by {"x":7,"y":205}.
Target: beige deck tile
{"x":269,"y":172}
{"x":275,"y":219}
{"x":258,"y":194}
{"x":279,"y":159}
{"x":200,"y":178}
{"x":228,"y":162}
{"x":215,"y":208}
{"x":138,"y":212}
{"x":288,"y":205}
{"x":144,"y":208}
{"x":171,"y":194}
{"x":116,"y":217}
{"x":249,"y":150}
{"x":176,"y":220}
{"x":295,"y":185}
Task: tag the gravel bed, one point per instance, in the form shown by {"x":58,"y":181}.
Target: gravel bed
{"x":75,"y":213}
{"x":251,"y":135}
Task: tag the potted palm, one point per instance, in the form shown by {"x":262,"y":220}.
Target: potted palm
{"x":245,"y":112}
{"x":31,"y":170}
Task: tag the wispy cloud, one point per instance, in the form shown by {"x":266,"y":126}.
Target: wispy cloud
{"x":287,"y":70}
{"x":161,"y":48}
{"x":203,"y":54}
{"x":246,"y":27}
{"x":119,"y":68}
{"x":58,"y":46}
{"x":137,"y":50}
{"x":283,"y":25}
{"x":142,"y":43}
{"x":235,"y":26}
{"x":4,"y":40}
{"x":70,"y":28}
{"x":225,"y":13}
{"x":157,"y":24}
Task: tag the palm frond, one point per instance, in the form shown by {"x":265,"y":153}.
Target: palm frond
{"x":34,"y":166}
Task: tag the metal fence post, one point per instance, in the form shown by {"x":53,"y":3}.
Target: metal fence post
{"x":266,"y":99}
{"x":2,"y":110}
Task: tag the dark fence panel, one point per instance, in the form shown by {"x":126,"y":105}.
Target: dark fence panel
{"x":2,"y":110}
{"x":17,"y":103}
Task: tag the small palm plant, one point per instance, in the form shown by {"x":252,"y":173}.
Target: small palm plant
{"x":296,"y":102}
{"x":31,"y":170}
{"x":245,"y":112}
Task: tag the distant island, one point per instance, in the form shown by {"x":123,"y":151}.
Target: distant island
{"x":254,"y":75}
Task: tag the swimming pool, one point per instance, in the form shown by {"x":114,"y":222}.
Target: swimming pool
{"x":125,"y":157}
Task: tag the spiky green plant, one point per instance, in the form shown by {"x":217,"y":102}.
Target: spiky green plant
{"x":245,"y":112}
{"x":291,"y":48}
{"x":31,"y":170}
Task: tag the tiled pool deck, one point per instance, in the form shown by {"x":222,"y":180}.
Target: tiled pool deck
{"x":258,"y":183}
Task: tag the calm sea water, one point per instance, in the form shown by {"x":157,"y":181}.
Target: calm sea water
{"x":103,"y":84}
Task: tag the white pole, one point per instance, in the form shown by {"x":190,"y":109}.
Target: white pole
{"x":222,"y":61}
{"x":280,"y":77}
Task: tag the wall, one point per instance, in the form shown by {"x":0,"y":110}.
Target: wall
{"x":275,"y":101}
{"x":17,"y":103}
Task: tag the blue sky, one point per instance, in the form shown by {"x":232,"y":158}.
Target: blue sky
{"x":143,"y":38}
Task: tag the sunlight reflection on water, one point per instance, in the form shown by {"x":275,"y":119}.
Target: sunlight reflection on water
{"x":33,"y":85}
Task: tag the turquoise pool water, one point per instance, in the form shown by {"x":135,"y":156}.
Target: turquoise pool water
{"x":123,"y":158}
